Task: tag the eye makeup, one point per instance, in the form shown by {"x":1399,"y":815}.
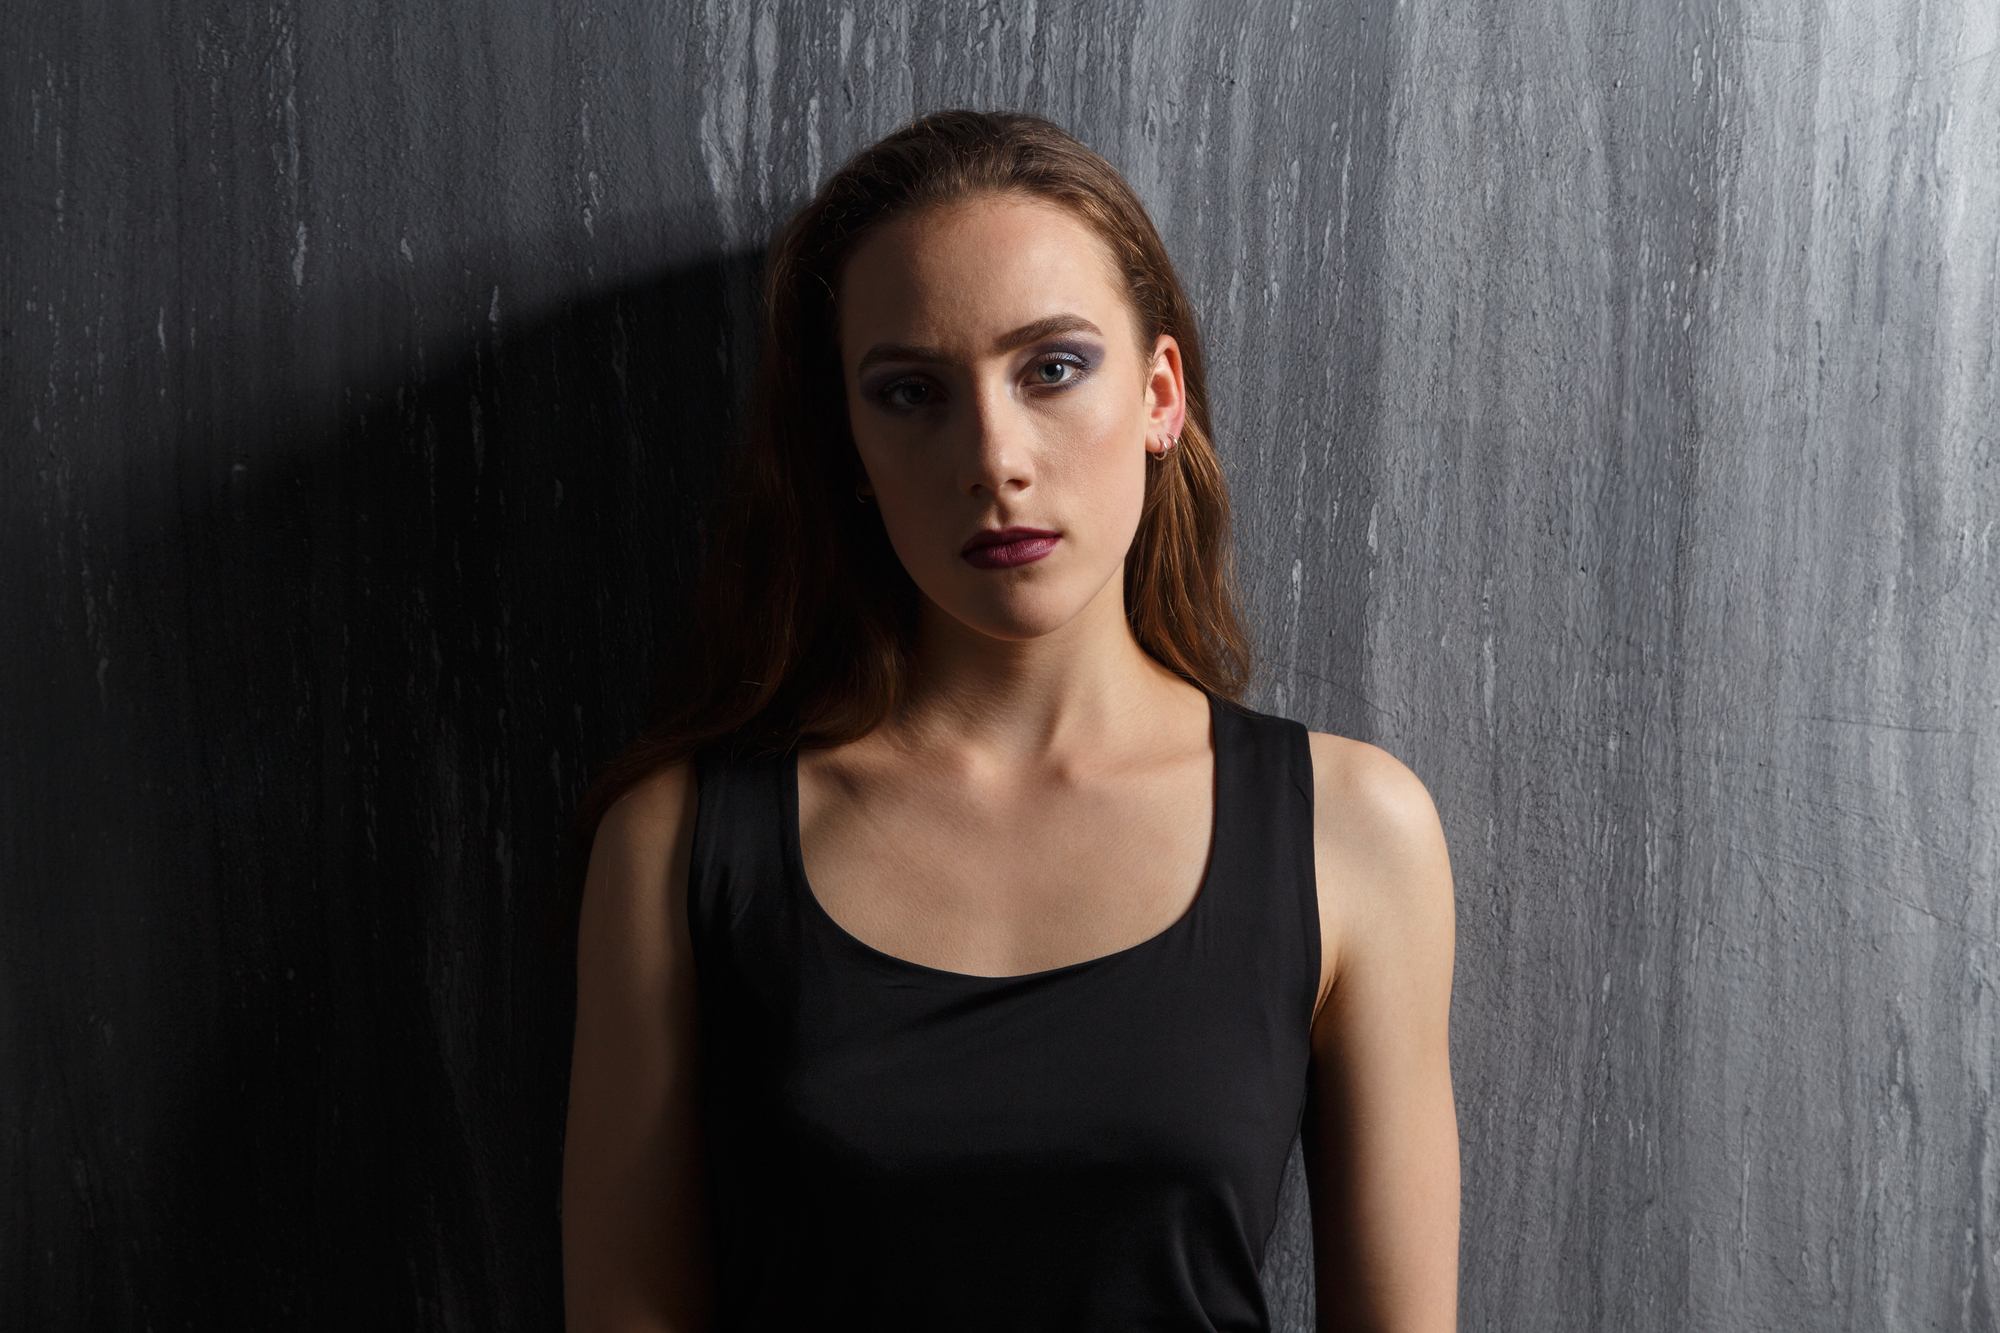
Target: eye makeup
{"x":1082,"y":356}
{"x":1036,"y":373}
{"x":906,"y":390}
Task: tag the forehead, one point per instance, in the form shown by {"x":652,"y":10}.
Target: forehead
{"x":952,"y":277}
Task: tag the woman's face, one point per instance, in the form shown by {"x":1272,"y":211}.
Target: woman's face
{"x":1003,"y":408}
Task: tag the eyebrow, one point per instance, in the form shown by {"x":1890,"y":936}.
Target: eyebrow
{"x":1006,"y":342}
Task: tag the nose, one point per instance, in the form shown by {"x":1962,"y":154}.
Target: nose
{"x":998,"y":461}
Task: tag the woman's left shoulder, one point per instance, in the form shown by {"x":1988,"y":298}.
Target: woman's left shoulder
{"x":1363,"y":791}
{"x":1378,"y":845}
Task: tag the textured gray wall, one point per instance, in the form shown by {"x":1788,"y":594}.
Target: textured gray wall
{"x":1609,"y":394}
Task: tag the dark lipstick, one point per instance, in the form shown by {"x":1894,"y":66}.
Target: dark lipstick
{"x":1005,"y":548}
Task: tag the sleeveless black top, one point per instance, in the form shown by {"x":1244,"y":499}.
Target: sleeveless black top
{"x":894,"y":1147}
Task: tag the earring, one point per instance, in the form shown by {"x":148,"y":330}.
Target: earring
{"x":861,"y":497}
{"x":1167,"y":443}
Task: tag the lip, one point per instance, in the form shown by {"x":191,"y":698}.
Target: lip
{"x":1007,"y":548}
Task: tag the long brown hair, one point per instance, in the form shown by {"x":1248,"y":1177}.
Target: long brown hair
{"x":803,"y":616}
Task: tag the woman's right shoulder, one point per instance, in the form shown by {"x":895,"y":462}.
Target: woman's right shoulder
{"x":644,"y":837}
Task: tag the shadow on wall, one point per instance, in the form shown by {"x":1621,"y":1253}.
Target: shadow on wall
{"x":380,"y":661}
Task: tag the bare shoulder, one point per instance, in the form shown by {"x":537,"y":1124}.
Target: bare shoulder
{"x":646,"y":822}
{"x":638,"y":858}
{"x":1368,"y":801}
{"x":1382,"y":1133}
{"x":632,"y":1204}
{"x":1384,"y":873}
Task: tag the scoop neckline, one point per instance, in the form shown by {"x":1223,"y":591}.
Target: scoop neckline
{"x":796,"y":859}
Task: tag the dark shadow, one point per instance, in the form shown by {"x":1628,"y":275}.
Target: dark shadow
{"x":383,"y":663}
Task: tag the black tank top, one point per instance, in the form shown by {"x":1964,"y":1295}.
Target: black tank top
{"x":1096,"y":1147}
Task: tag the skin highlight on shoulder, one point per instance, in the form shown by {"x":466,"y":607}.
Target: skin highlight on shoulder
{"x":1385,"y":879}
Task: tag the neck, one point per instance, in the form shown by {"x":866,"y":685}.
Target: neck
{"x":1027,"y":697}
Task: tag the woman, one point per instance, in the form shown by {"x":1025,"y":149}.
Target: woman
{"x":955,"y":954}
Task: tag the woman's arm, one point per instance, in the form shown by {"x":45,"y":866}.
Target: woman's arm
{"x":634,"y":1235}
{"x":1381,"y":1132}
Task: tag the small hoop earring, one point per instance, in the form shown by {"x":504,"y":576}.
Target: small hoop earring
{"x":1167,"y":443}
{"x":861,"y":497}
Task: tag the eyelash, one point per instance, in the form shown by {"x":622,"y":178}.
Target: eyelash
{"x":1070,"y":359}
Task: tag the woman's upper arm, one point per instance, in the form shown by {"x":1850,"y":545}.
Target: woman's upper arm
{"x":1381,"y":1128}
{"x":633,"y":1229}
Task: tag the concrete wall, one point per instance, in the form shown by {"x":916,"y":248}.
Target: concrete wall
{"x":1609,"y":394}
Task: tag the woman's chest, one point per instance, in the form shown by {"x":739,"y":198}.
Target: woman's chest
{"x":1001,"y":875}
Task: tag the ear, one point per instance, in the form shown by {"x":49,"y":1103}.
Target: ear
{"x":1166,"y":393}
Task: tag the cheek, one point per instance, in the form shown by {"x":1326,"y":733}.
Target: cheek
{"x":1099,"y":470}
{"x":914,"y":494}
{"x":906,"y":477}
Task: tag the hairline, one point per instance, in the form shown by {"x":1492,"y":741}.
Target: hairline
{"x":973,"y":196}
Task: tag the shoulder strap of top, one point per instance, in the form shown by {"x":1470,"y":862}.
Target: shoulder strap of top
{"x":738,"y":835}
{"x":1264,"y":790}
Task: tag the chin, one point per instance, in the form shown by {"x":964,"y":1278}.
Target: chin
{"x":1016,"y":614}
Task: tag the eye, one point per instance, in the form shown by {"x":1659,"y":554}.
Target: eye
{"x":1055,"y":372}
{"x":906,"y":393}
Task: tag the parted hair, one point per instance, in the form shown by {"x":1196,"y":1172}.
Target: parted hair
{"x":803,"y":618}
